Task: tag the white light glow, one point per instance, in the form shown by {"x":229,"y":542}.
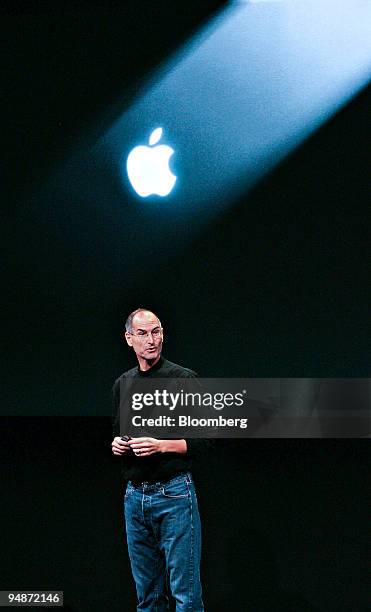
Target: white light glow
{"x":240,"y":96}
{"x":148,"y":168}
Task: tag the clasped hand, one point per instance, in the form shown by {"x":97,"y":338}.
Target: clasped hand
{"x":141,"y":447}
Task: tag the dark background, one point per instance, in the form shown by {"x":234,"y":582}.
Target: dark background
{"x":284,"y":520}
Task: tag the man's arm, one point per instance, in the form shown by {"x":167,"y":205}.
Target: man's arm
{"x":115,"y":397}
{"x":196,"y":447}
{"x":146,"y":446}
{"x":119,"y":446}
{"x":173,"y":446}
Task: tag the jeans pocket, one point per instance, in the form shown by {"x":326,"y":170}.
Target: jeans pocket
{"x":129,"y":491}
{"x":176,"y":490}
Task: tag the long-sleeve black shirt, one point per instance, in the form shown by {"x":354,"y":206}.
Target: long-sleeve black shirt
{"x":159,"y":466}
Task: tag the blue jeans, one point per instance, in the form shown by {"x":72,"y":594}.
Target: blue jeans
{"x":164,"y":541}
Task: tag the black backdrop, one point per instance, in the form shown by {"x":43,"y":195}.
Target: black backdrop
{"x":284,"y":520}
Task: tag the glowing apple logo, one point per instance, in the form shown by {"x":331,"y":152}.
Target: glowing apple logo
{"x":148,"y":168}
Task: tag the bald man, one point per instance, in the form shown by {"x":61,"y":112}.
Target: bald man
{"x":161,"y":512}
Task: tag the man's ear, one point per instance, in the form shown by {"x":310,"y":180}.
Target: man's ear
{"x":127,"y":337}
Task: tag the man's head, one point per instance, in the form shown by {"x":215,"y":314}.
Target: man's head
{"x":144,"y":333}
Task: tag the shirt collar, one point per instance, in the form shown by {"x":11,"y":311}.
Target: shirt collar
{"x":154,"y":368}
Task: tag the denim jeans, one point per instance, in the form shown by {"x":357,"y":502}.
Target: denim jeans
{"x":164,"y":542}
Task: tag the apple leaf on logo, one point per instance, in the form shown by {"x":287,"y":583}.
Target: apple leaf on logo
{"x":155,"y":136}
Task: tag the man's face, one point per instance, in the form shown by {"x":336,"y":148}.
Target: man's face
{"x":146,"y":336}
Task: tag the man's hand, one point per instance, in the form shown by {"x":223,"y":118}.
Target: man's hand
{"x":119,"y":447}
{"x":144,"y":447}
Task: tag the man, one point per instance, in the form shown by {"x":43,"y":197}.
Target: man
{"x":161,"y":511}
